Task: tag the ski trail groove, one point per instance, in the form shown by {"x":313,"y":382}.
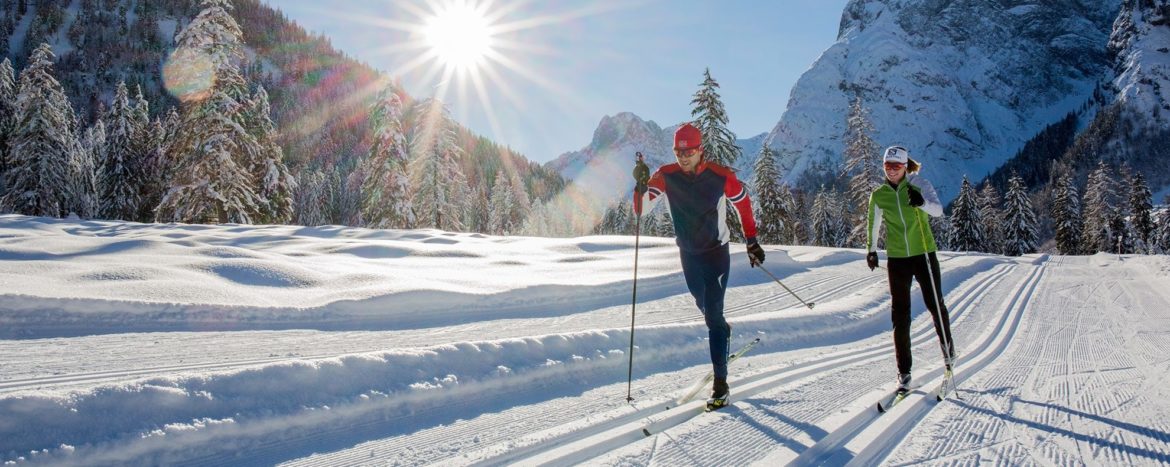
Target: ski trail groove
{"x":581,"y":445}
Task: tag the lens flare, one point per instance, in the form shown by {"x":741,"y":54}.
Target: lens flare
{"x":188,"y":75}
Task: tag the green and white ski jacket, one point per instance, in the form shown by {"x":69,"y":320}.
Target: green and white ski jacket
{"x":907,"y":228}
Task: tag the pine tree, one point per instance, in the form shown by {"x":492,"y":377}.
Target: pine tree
{"x":40,"y":179}
{"x":769,"y":198}
{"x":501,"y":206}
{"x":861,"y":169}
{"x":988,"y":202}
{"x":1141,"y":213}
{"x":439,"y":194}
{"x":966,"y":222}
{"x":7,"y":112}
{"x":121,"y":168}
{"x":665,"y":222}
{"x":1099,"y":211}
{"x":718,"y":141}
{"x":386,"y":194}
{"x":211,"y":182}
{"x":830,"y":228}
{"x":1019,"y":227}
{"x":711,"y":120}
{"x":153,"y":169}
{"x":276,"y":184}
{"x":311,"y":200}
{"x":1162,"y":232}
{"x":1066,"y":214}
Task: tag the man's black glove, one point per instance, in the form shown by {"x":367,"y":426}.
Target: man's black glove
{"x":641,"y":175}
{"x":755,"y":253}
{"x":871,"y":260}
{"x":916,"y":197}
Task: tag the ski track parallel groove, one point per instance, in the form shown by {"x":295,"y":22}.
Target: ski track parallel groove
{"x":576,"y":446}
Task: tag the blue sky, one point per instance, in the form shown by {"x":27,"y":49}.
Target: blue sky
{"x":570,"y":63}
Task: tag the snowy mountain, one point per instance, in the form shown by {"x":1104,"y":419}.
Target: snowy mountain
{"x":173,"y":344}
{"x":603,"y":167}
{"x":963,"y":85}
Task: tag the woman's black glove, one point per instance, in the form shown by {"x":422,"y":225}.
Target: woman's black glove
{"x":641,"y":175}
{"x":916,"y":198}
{"x":871,"y":260}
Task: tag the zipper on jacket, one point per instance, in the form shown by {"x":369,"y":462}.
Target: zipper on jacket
{"x":905,"y":227}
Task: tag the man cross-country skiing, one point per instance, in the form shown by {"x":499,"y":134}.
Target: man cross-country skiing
{"x":902,"y":204}
{"x":695,"y":190}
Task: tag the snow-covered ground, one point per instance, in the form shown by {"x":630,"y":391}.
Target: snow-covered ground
{"x":133,"y":344}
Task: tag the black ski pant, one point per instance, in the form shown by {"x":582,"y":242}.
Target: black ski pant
{"x":901,"y":271}
{"x":706,"y":276}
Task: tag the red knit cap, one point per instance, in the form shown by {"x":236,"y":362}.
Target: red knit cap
{"x":687,"y":137}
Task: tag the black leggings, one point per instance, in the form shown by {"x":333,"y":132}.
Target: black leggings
{"x":901,"y":271}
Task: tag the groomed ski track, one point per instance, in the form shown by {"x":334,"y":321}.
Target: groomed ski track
{"x":812,"y":396}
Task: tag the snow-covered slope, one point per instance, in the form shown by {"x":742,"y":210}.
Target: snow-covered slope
{"x":142,"y":344}
{"x":1141,"y":47}
{"x":961,"y":84}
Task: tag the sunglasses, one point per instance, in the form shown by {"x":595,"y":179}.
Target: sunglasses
{"x":687,"y":152}
{"x":894,"y":165}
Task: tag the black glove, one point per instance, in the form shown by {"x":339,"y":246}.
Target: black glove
{"x":641,"y":175}
{"x":916,"y":197}
{"x":755,"y":253}
{"x":871,"y":260}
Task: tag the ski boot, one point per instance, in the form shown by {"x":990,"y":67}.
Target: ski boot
{"x":719,"y":395}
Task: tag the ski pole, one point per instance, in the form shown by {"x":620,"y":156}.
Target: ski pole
{"x":633,"y":308}
{"x":808,"y":304}
{"x":638,"y":175}
{"x":944,"y":328}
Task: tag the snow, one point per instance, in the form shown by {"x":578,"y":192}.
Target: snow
{"x":133,"y":344}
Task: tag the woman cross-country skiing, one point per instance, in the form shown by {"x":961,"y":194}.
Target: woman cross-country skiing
{"x":696,"y":190}
{"x":902,"y":205}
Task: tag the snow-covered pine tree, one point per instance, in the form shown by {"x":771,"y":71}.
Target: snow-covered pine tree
{"x":276,"y":184}
{"x":941,"y":228}
{"x":40,"y":180}
{"x":1020,"y":234}
{"x":1141,"y":208}
{"x":1066,"y":215}
{"x":1099,"y":211}
{"x":966,"y":222}
{"x":7,"y":113}
{"x":153,"y":167}
{"x":988,"y":202}
{"x":312,"y":198}
{"x":796,"y":222}
{"x":665,"y":222}
{"x":386,"y":194}
{"x":1124,"y":242}
{"x":86,"y":198}
{"x":830,"y":228}
{"x":121,"y":171}
{"x":501,"y":206}
{"x":719,"y":146}
{"x":769,"y":198}
{"x":1162,"y":233}
{"x":440,"y":183}
{"x":861,"y":169}
{"x":711,"y":119}
{"x":211,"y":182}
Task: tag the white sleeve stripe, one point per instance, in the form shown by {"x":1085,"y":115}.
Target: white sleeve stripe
{"x":655,"y":191}
{"x":736,"y":198}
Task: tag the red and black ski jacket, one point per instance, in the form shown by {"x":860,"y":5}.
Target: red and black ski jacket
{"x":697,"y":205}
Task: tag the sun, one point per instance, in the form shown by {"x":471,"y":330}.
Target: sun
{"x":459,"y":35}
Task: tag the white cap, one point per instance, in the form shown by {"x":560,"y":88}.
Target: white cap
{"x":896,"y":154}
